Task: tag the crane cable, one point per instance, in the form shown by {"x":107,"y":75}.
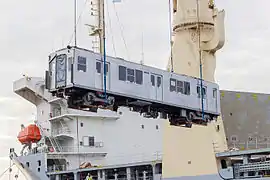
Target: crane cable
{"x":200,"y":56}
{"x":110,"y":26}
{"x":121,"y":29}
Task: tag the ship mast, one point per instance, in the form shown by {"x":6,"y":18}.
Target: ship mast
{"x":98,"y":9}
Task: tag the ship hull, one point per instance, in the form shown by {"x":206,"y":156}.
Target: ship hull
{"x":208,"y":177}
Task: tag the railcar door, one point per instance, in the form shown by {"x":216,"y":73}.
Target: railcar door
{"x":99,"y":75}
{"x":52,"y":74}
{"x":215,"y":96}
{"x":156,"y":88}
{"x":204,"y":96}
{"x":152,"y":87}
{"x":61,"y":70}
{"x":146,"y":84}
{"x":159,"y":88}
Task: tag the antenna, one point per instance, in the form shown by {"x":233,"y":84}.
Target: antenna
{"x":142,"y":60}
{"x":75,"y":23}
{"x":200,"y":56}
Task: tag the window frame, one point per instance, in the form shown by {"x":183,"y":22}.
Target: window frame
{"x":186,"y":88}
{"x":100,"y":70}
{"x":122,"y":69}
{"x":138,"y":76}
{"x":178,"y":87}
{"x":159,"y":83}
{"x":80,"y":64}
{"x":153,"y":80}
{"x":171,"y":86}
{"x":130,"y":75}
{"x":204,"y":92}
{"x":214,"y":93}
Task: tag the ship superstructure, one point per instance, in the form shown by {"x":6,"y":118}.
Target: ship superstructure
{"x":78,"y":141}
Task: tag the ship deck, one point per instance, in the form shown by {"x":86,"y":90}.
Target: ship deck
{"x":107,"y":167}
{"x":265,"y":151}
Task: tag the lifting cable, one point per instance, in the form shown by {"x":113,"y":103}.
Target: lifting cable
{"x":122,"y":30}
{"x":200,"y":57}
{"x":104,"y":50}
{"x":110,"y":28}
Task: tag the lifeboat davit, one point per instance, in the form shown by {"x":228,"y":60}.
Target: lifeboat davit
{"x":29,"y":134}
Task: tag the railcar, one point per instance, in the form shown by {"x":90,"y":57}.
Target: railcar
{"x":78,"y":74}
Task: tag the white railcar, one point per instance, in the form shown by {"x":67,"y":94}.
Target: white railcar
{"x":78,"y":74}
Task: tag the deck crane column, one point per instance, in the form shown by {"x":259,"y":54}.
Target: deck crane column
{"x":191,"y":152}
{"x":185,"y":52}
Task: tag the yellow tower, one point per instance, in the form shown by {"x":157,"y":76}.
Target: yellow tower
{"x":197,"y":25}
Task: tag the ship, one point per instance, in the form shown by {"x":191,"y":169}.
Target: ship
{"x":68,"y":143}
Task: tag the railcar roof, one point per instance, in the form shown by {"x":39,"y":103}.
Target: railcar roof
{"x":79,"y":48}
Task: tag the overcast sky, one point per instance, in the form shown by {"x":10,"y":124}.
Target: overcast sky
{"x":31,"y":29}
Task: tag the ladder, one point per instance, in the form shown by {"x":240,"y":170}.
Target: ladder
{"x":52,"y":140}
{"x":55,"y":144}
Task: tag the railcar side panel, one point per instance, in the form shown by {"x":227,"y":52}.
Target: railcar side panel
{"x":129,"y":79}
{"x":179,"y":91}
{"x":85,"y":69}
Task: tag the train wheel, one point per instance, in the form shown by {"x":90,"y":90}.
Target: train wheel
{"x":110,"y":101}
{"x":88,"y":99}
{"x":191,"y":116}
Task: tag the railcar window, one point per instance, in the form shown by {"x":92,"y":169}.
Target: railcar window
{"x":179,"y":87}
{"x":187,"y":88}
{"x":214,"y":93}
{"x":204,"y":91}
{"x":199,"y":91}
{"x":139,"y":77}
{"x":98,"y":67}
{"x":69,"y":63}
{"x":158,"y":81}
{"x":122,"y":73}
{"x":107,"y":68}
{"x":153,"y":80}
{"x":81,"y":64}
{"x":172,"y":85}
{"x":130,"y":75}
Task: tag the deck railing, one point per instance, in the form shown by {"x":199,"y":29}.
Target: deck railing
{"x":70,"y":149}
{"x":248,"y":145}
{"x":56,"y":168}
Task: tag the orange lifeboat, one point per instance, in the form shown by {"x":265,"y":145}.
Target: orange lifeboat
{"x":30,"y":134}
